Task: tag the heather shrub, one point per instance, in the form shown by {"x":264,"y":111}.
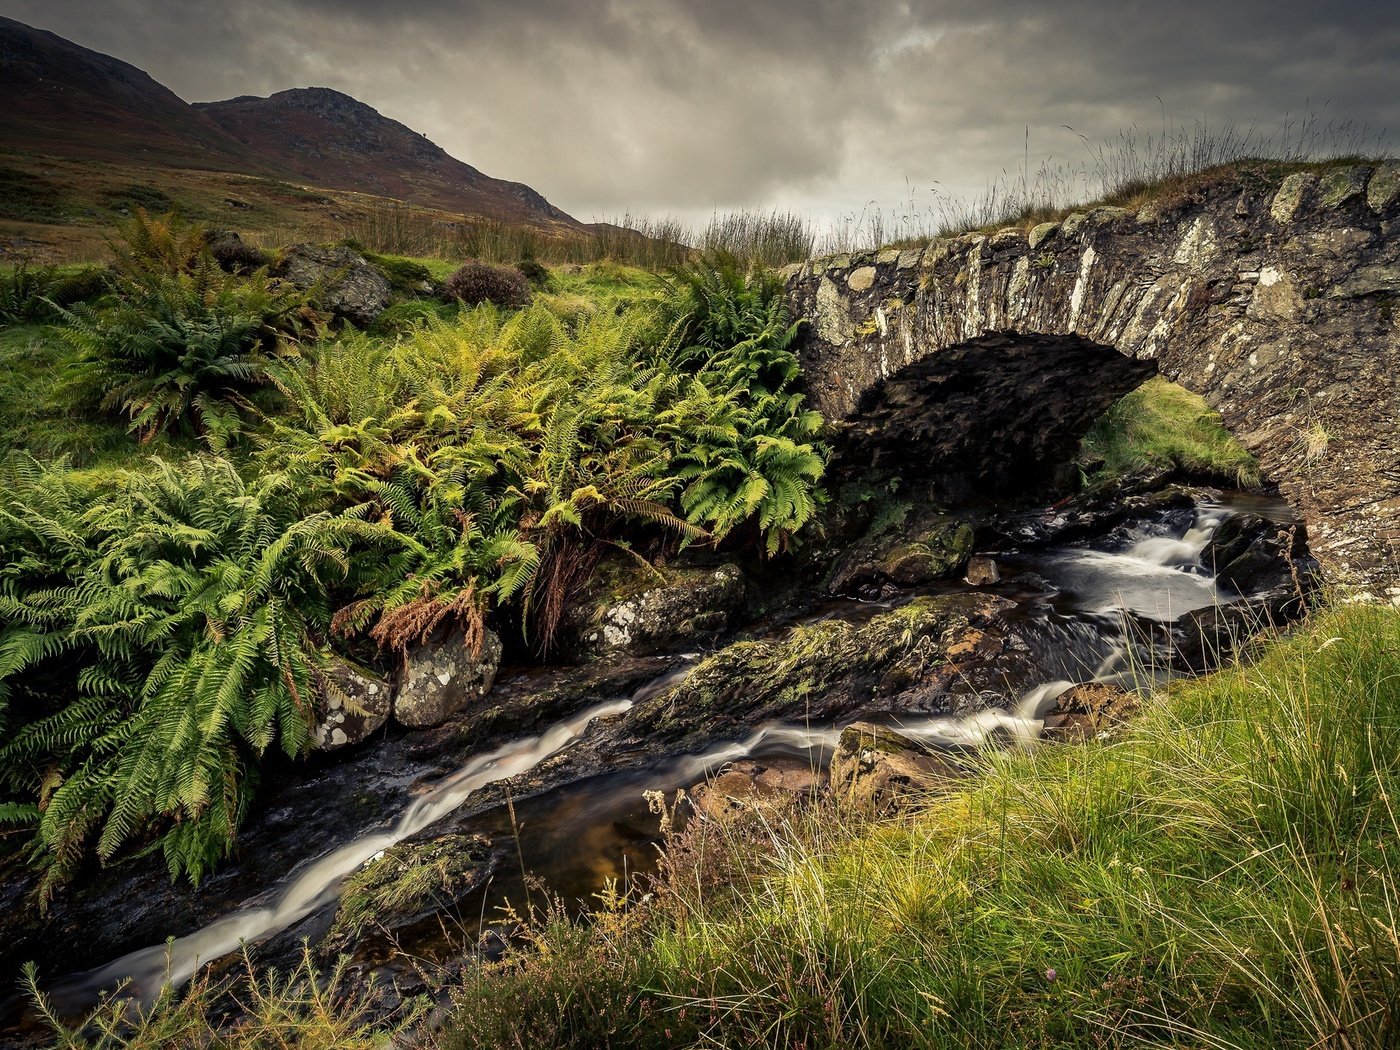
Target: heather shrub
{"x":233,"y":254}
{"x":477,"y":282}
{"x":536,"y":273}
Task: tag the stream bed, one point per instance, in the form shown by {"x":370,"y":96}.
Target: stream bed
{"x":562,"y":802}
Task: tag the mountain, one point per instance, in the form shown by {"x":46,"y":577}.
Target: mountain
{"x":66,"y":101}
{"x":336,"y":141}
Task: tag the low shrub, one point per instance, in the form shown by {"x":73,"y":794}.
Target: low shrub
{"x":536,"y":273}
{"x":476,"y":282}
{"x":234,"y":254}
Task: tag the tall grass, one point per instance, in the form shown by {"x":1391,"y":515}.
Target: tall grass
{"x":1223,"y":875}
{"x":1118,"y":170}
{"x":305,"y":1009}
{"x":765,"y":239}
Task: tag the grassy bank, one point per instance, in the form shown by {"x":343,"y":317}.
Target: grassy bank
{"x":1224,"y":875}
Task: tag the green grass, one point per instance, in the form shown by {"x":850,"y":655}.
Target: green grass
{"x":1164,"y":426}
{"x":1223,"y":875}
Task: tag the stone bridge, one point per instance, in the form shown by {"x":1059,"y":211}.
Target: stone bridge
{"x":981,"y":360}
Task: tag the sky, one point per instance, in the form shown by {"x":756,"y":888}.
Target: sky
{"x":836,"y":109}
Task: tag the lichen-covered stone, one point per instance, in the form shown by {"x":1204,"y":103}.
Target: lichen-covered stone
{"x":349,"y":286}
{"x":352,"y":704}
{"x":642,"y":610}
{"x":876,"y":769}
{"x":1042,"y":233}
{"x":1384,"y":186}
{"x":1340,"y":186}
{"x":860,"y":280}
{"x":442,"y":677}
{"x":1290,"y":196}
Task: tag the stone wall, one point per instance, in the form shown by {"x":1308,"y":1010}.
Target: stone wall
{"x":1275,"y":298}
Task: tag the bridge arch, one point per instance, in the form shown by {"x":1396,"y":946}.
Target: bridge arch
{"x":1277,"y":299}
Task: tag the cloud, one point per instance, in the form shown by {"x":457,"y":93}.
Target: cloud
{"x":667,"y":106}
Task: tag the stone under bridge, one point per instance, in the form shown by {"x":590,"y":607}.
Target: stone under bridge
{"x":981,"y":360}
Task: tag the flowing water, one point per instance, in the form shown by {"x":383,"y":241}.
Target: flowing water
{"x":1085,"y":607}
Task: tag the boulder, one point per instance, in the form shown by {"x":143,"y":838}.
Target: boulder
{"x":1251,"y":554}
{"x":767,"y":787}
{"x":348,"y":285}
{"x":442,"y":677}
{"x":982,"y":571}
{"x":352,"y":704}
{"x":1086,"y":712}
{"x":925,"y":550}
{"x":877,"y":769}
{"x":637,"y":612}
{"x":934,"y":653}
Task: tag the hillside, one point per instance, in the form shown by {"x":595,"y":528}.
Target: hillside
{"x":86,"y":138}
{"x":68,"y":101}
{"x":328,"y":138}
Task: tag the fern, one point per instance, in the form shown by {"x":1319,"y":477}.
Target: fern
{"x":162,"y":633}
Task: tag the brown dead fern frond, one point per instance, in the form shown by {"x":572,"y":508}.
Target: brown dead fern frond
{"x":416,"y":622}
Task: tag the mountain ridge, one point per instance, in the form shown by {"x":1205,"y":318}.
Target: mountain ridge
{"x":69,"y":101}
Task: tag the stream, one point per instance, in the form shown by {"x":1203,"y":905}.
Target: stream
{"x":1095,"y":611}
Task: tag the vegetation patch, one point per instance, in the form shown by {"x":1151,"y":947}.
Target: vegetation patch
{"x":166,"y":622}
{"x":1222,"y":875}
{"x":1161,"y":426}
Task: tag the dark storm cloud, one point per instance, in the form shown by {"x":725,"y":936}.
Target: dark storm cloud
{"x":671,"y":106}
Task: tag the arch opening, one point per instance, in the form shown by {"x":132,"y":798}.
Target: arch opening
{"x":997,"y":417}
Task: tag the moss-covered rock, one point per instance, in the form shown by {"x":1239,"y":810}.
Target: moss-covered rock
{"x":406,"y":884}
{"x":902,"y":657}
{"x":927,"y":549}
{"x":876,"y":769}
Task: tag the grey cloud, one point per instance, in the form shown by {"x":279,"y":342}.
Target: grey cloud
{"x":680,"y":107}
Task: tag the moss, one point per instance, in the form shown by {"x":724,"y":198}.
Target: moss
{"x":406,"y":882}
{"x":405,"y":276}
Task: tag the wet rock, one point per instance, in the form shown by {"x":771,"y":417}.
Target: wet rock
{"x":349,"y":286}
{"x":1205,"y":639}
{"x":926,"y":549}
{"x":1088,"y":712}
{"x":767,"y":787}
{"x":876,"y":769}
{"x":442,"y":677}
{"x":1251,"y":554}
{"x":353,"y":703}
{"x":982,"y":571}
{"x":638,"y":611}
{"x":405,"y":885}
